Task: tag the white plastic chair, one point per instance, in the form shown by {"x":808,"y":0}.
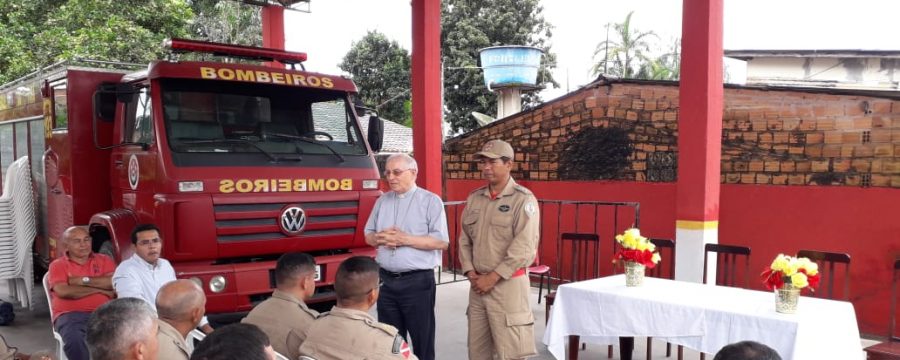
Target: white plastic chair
{"x":17,"y":231}
{"x":60,"y":354}
{"x":194,"y":337}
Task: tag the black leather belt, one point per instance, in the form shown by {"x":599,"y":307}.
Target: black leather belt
{"x":402,"y":274}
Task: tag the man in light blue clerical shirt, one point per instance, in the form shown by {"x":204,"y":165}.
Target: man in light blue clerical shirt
{"x":408,"y":227}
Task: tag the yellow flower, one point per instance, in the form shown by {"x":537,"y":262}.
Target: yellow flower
{"x":630,"y":243}
{"x":793,"y":266}
{"x":655,"y":258}
{"x":780,"y":263}
{"x":811,"y":267}
{"x":799,"y":280}
{"x":641,"y":245}
{"x":651,"y":247}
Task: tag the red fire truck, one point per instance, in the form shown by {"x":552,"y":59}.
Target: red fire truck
{"x":236,"y":163}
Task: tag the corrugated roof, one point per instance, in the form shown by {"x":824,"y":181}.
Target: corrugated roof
{"x":397,"y":138}
{"x":829,"y":53}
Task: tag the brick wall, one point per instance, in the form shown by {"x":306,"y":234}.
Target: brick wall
{"x":784,"y":137}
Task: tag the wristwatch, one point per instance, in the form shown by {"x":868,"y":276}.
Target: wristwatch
{"x":86,"y":280}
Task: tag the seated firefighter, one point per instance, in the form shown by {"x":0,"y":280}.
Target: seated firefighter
{"x":362,"y":337}
{"x":284,"y":316}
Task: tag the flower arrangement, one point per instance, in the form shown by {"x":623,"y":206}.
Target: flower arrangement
{"x":636,"y":248}
{"x":799,"y":273}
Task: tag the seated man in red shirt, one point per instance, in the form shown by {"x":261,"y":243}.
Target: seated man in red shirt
{"x":80,"y":281}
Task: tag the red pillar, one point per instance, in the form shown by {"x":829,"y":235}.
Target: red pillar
{"x":273,"y":29}
{"x":699,"y":135}
{"x":426,"y":92}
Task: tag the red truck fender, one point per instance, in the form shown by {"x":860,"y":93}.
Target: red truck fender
{"x":111,"y":232}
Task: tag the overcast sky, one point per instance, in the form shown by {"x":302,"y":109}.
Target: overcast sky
{"x":327,"y":32}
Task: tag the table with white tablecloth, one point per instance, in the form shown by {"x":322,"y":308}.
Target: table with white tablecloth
{"x":700,"y":317}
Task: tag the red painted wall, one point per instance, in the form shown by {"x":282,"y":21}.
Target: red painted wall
{"x":769,"y":219}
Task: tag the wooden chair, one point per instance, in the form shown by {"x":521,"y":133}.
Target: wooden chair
{"x":890,"y":349}
{"x":727,"y":264}
{"x":669,"y":263}
{"x":826,"y":261}
{"x":727,"y":257}
{"x":585,"y":258}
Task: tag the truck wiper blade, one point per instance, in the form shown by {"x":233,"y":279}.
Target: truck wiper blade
{"x":310,"y":141}
{"x":240,"y":141}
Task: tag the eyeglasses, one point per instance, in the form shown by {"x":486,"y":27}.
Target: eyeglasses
{"x":396,"y":172}
{"x":146,"y":242}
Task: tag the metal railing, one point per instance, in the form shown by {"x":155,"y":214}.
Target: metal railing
{"x":604,"y":218}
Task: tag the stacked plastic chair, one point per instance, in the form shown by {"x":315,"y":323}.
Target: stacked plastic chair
{"x":17,"y":231}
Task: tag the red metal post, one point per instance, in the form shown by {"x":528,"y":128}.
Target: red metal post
{"x":426,"y":92}
{"x":273,"y":30}
{"x":699,"y":135}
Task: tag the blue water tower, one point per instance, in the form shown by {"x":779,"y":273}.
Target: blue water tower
{"x":509,"y":70}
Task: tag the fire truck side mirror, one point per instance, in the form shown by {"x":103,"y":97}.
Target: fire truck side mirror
{"x":376,"y":133}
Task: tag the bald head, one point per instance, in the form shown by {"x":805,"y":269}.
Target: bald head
{"x":78,"y":243}
{"x":178,"y":299}
{"x":74,"y":231}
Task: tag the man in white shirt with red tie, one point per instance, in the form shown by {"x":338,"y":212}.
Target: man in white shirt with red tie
{"x":144,"y":273}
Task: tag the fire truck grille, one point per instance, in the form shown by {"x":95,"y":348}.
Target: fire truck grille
{"x":253,"y":222}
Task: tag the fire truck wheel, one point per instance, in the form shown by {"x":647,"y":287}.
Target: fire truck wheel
{"x":107,"y":249}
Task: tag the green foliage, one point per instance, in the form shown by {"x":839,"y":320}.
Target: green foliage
{"x":229,"y":22}
{"x":381,"y":70}
{"x":664,"y":67}
{"x":466,"y":27}
{"x":625,"y":50}
{"x":38,"y":33}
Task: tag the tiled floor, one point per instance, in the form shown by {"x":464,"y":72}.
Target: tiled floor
{"x":31,"y":330}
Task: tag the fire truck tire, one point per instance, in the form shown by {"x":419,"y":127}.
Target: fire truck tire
{"x":107,"y":249}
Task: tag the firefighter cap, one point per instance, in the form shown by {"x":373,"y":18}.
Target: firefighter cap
{"x":496,"y":149}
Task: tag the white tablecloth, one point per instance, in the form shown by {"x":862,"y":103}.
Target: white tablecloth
{"x":701,"y":317}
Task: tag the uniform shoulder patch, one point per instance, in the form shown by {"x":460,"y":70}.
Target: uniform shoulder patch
{"x":522,"y":189}
{"x":400,"y":347}
{"x":530,"y":208}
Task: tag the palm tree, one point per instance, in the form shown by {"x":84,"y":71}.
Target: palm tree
{"x":624,"y":55}
{"x":665,"y":67}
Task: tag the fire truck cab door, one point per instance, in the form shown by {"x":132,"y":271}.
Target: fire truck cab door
{"x":134,"y":164}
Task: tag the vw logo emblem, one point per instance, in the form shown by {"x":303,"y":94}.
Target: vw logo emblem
{"x":293,"y":220}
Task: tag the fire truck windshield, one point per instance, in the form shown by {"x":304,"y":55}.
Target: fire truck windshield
{"x":246,"y":121}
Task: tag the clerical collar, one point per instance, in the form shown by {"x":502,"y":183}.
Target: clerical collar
{"x":408,"y":192}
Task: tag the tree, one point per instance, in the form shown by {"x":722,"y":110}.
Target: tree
{"x":664,"y":67}
{"x":466,"y":27}
{"x":381,"y":68}
{"x":625,"y":53}
{"x":38,"y":33}
{"x":230,"y":22}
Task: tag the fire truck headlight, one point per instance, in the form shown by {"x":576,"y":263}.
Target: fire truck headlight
{"x":190,"y":186}
{"x":217,"y":284}
{"x":370,"y":184}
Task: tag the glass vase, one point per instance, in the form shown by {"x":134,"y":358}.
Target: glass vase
{"x":786,"y":299}
{"x":634,"y":274}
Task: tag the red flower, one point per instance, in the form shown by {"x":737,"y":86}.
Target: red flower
{"x":772,"y":279}
{"x":644,"y":257}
